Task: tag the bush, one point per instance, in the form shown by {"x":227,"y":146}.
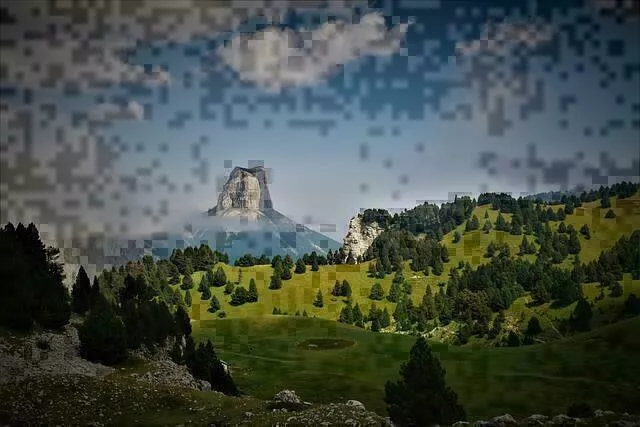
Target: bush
{"x":222,"y":315}
{"x":103,"y":336}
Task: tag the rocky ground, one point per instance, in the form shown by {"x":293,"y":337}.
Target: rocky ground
{"x":43,"y":381}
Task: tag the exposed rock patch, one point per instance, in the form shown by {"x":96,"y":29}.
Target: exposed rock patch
{"x":360,"y":236}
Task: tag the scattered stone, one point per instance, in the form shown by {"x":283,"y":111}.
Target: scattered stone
{"x":460,"y":424}
{"x":537,"y":419}
{"x":564,"y":420}
{"x":600,"y":413}
{"x":287,"y":396}
{"x":503,"y":420}
{"x":356,"y":404}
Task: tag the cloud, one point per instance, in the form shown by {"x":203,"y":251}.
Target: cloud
{"x":60,"y":43}
{"x":275,"y":58}
{"x":107,"y":112}
{"x":501,"y":38}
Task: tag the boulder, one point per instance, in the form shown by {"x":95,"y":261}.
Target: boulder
{"x":600,"y":413}
{"x":360,"y":236}
{"x":287,"y":396}
{"x":356,"y":404}
{"x":564,"y":420}
{"x":537,"y":419}
{"x":460,"y":424}
{"x":503,"y":420}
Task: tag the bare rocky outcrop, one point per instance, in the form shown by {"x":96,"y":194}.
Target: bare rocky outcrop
{"x":360,"y":236}
{"x":244,"y":194}
{"x":169,"y":373}
{"x":45,"y":353}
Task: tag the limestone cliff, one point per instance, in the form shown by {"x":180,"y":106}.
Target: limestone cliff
{"x":244,"y":194}
{"x":360,"y":236}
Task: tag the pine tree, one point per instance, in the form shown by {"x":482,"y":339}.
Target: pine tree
{"x":286,"y":273}
{"x":427,"y":305}
{"x":533,"y":327}
{"x":377,"y":293}
{"x":356,"y":316}
{"x":456,"y":236}
{"x":206,"y":293}
{"x":314,"y":265}
{"x":345,"y":289}
{"x":187,"y":298}
{"x":385,"y":320}
{"x":475,"y":223}
{"x":239,"y":282}
{"x":103,"y":337}
{"x":372,"y":270}
{"x":214,"y":305}
{"x":345,"y":315}
{"x":573,"y":245}
{"x":300,"y":267}
{"x":580,"y":318}
{"x":486,"y":214}
{"x":276,"y":278}
{"x":81,"y":293}
{"x":500,"y":223}
{"x":187,"y":283}
{"x":239,"y":296}
{"x":274,"y":311}
{"x":304,"y":313}
{"x":562,"y":228}
{"x":253,"y":291}
{"x":486,"y":227}
{"x":437,"y":267}
{"x":95,"y":292}
{"x":610,"y":214}
{"x":350,"y":258}
{"x":584,"y":230}
{"x":318,"y":302}
{"x":228,"y":288}
{"x":219,"y":278}
{"x":421,"y":396}
{"x":616,"y":289}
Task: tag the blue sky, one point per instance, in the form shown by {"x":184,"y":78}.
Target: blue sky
{"x":350,"y":104}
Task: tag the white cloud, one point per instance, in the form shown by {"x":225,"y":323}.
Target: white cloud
{"x":107,"y":112}
{"x":72,"y":43}
{"x":503,"y":37}
{"x":275,"y":58}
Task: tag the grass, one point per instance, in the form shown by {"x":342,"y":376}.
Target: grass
{"x":599,"y":367}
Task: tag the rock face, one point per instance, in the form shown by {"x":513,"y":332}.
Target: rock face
{"x":245,"y":194}
{"x":360,"y":236}
{"x":168,"y":373}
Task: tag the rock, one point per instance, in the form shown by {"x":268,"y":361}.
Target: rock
{"x":248,"y":414}
{"x":537,"y":419}
{"x":483,"y":423}
{"x":287,"y":396}
{"x":503,"y":420}
{"x":460,"y":424}
{"x":563,"y":420}
{"x":360,"y":236}
{"x":601,"y":413}
{"x":244,"y":194}
{"x":356,"y":404}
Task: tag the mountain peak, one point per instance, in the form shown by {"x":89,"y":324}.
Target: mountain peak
{"x":245,"y":194}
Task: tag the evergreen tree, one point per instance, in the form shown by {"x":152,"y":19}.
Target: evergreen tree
{"x":385,"y":320}
{"x":239,"y":296}
{"x":187,"y":298}
{"x":456,"y":236}
{"x":562,"y":228}
{"x":356,"y":316}
{"x":345,"y":315}
{"x":631,"y":306}
{"x":500,"y":223}
{"x":513,"y":339}
{"x":318,"y":302}
{"x":377,"y":293}
{"x":219,"y":278}
{"x":206,"y":293}
{"x":475,"y":224}
{"x":300,"y":267}
{"x":573,"y":245}
{"x":444,"y":254}
{"x":304,"y":313}
{"x":350,"y":258}
{"x":394,"y":292}
{"x":214,"y":305}
{"x":187,"y":283}
{"x":314,"y":265}
{"x":372,"y":270}
{"x":616,"y":289}
{"x":533,"y":327}
{"x":228,"y":288}
{"x":421,"y":396}
{"x":103,"y":336}
{"x":437,"y":267}
{"x":610,"y":214}
{"x":276,"y":278}
{"x":253,"y":291}
{"x":486,"y":214}
{"x":345,"y":289}
{"x":81,"y":293}
{"x":337,"y":289}
{"x":487,"y":227}
{"x":95,"y":292}
{"x":182,"y":323}
{"x":286,"y":273}
{"x":580,"y":318}
{"x":274,"y":311}
{"x":427,"y":306}
{"x":584,"y":230}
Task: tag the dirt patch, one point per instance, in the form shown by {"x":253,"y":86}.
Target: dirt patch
{"x":325,"y":344}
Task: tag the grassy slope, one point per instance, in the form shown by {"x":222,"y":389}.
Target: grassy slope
{"x":598,"y":367}
{"x":299,"y":292}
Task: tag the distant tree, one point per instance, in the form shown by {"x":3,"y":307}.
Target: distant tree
{"x":513,"y":339}
{"x":467,"y":226}
{"x":314,"y":265}
{"x":356,"y":316}
{"x":253,"y":291}
{"x":275,"y":311}
{"x":487,"y":227}
{"x":240,"y":296}
{"x":385,"y":319}
{"x":372,"y":270}
{"x":286,"y":273}
{"x":421,"y":397}
{"x":610,"y":214}
{"x":456,"y":236}
{"x":437,"y":267}
{"x":182,"y":323}
{"x":318,"y":302}
{"x":345,"y":289}
{"x":219,"y":278}
{"x":377,"y":293}
{"x":394,"y":292}
{"x":631,"y":306}
{"x":584,"y":230}
{"x":350,"y":258}
{"x":304,"y":313}
{"x":103,"y":337}
{"x":580,"y":318}
{"x":345,"y":315}
{"x":444,"y":254}
{"x":300,"y":267}
{"x":500,"y":223}
{"x":486,"y":214}
{"x":206,"y":293}
{"x":562,"y":228}
{"x":616,"y":289}
{"x":573,"y":245}
{"x":187,"y":298}
{"x":605,"y":202}
{"x":187,"y":283}
{"x":214,"y":305}
{"x":228,"y":288}
{"x":95,"y":292}
{"x":276,"y":278}
{"x":475,"y":224}
{"x":336,"y":291}
{"x":81,"y":292}
{"x":533,"y":327}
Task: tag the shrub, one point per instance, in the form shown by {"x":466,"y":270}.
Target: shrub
{"x":580,"y":410}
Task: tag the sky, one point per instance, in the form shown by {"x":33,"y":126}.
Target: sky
{"x":124,"y":117}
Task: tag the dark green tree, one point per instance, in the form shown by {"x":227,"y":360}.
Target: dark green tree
{"x":377,"y":293}
{"x":318,"y":301}
{"x":356,"y":316}
{"x":421,"y":396}
{"x":580,"y":318}
{"x":81,"y":293}
{"x":253,"y":291}
{"x":300,"y":267}
{"x":229,"y":287}
{"x":610,"y":214}
{"x":214,"y":304}
{"x":187,"y":298}
{"x":276,"y":278}
{"x":206,"y":293}
{"x":103,"y":337}
{"x":187,"y":283}
{"x":345,"y":289}
{"x":533,"y":327}
{"x":616,"y":289}
{"x":513,"y":339}
{"x":345,"y":314}
{"x":456,"y":236}
{"x":584,"y":230}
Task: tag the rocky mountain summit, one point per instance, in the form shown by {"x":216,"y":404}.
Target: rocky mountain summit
{"x":360,"y":236}
{"x":244,"y":194}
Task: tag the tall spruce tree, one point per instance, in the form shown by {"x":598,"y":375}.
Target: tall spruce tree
{"x":253,"y":291}
{"x":81,"y":293}
{"x":421,"y":396}
{"x":318,"y":302}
